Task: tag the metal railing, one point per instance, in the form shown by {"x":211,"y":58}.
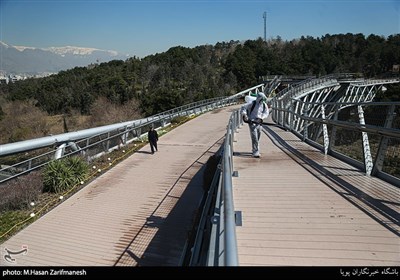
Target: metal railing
{"x":230,"y":243}
{"x":323,"y":129}
{"x":364,"y":134}
{"x":22,"y":146}
{"x":306,"y":86}
{"x":216,"y":243}
{"x":97,"y":141}
{"x":47,"y":149}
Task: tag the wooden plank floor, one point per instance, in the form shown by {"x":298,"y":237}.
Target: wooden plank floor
{"x":297,"y":215}
{"x":138,"y":213}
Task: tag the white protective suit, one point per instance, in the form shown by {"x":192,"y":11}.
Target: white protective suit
{"x":253,"y":113}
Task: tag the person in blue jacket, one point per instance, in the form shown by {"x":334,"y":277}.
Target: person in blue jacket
{"x":253,"y":113}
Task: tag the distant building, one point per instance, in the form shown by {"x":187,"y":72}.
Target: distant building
{"x":14,"y":78}
{"x":4,"y":79}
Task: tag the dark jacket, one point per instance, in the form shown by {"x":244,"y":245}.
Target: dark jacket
{"x":152,"y":135}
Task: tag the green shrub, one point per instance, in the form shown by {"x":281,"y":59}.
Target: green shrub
{"x":60,"y":175}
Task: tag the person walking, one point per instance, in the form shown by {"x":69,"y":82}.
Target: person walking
{"x":152,"y":135}
{"x":253,"y":113}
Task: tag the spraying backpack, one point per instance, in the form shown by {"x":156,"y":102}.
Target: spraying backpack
{"x":252,"y":107}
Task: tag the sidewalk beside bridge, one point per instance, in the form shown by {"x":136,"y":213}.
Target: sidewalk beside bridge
{"x":138,"y":213}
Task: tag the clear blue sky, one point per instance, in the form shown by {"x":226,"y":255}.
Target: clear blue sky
{"x":147,"y":27}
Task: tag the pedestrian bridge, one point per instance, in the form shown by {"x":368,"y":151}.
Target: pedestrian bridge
{"x":325,"y":191}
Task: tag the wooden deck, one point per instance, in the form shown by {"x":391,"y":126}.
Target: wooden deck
{"x":138,"y":213}
{"x":299,"y":207}
{"x":302,"y":208}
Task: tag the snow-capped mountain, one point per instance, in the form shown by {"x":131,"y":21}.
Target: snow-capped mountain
{"x":4,"y":45}
{"x":22,"y":59}
{"x":77,"y":51}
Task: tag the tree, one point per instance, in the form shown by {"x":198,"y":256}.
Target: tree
{"x":1,"y":113}
{"x":22,"y":120}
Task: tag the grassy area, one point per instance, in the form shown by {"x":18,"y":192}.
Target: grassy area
{"x":12,"y":221}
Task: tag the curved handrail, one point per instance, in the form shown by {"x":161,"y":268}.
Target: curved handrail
{"x":21,"y":146}
{"x":230,"y":242}
{"x":86,"y":140}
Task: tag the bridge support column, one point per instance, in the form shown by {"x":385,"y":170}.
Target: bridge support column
{"x":281,"y":114}
{"x":333,"y":132}
{"x":139,"y":134}
{"x":75,"y":147}
{"x":325,"y":131}
{"x":60,"y":151}
{"x":366,"y":148}
{"x":125,"y":136}
{"x":107,"y":146}
{"x":383,"y":144}
{"x":291,"y":115}
{"x":306,"y":122}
